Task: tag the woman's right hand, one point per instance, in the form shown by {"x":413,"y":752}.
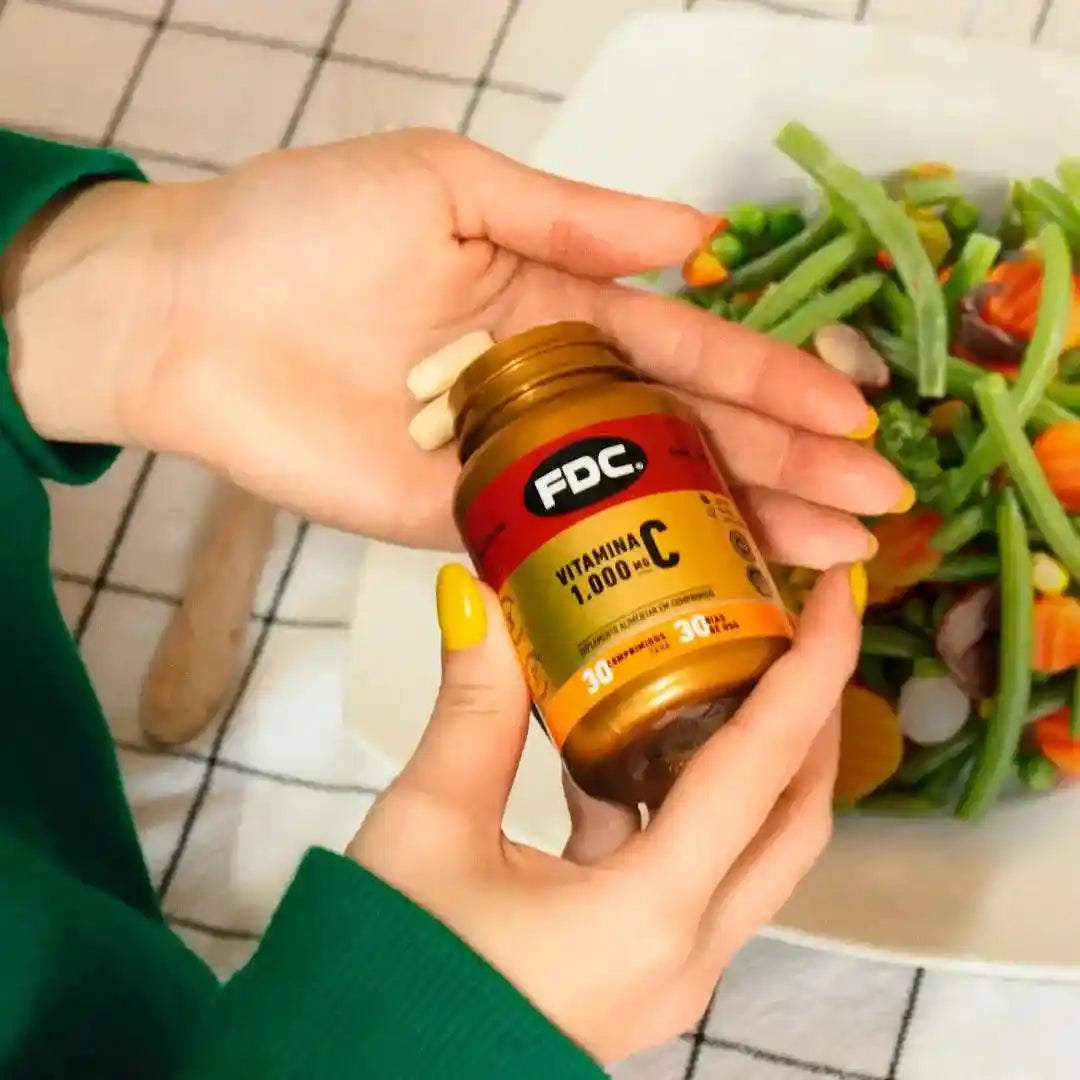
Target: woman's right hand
{"x":622,"y":940}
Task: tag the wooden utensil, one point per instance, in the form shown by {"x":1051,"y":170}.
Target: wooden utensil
{"x":199,"y":656}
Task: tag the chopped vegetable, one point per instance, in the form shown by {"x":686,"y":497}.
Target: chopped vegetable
{"x":1057,"y":207}
{"x":932,"y":709}
{"x":972,"y":266}
{"x":905,"y":440}
{"x":1056,"y":634}
{"x":1050,"y":577}
{"x":1074,"y":706}
{"x":1037,"y":773}
{"x":844,"y":349}
{"x":703,"y":268}
{"x":1057,"y":450}
{"x":1068,"y":172}
{"x":958,"y":531}
{"x":782,"y":260}
{"x":729,"y":249}
{"x":811,"y":275}
{"x":904,"y":556}
{"x":1005,"y":727}
{"x":943,"y":416}
{"x":895,"y":230}
{"x":784,"y":223}
{"x":960,"y":566}
{"x":965,"y":643}
{"x":1055,"y":741}
{"x":962,"y":216}
{"x":932,"y":190}
{"x":827,"y":308}
{"x":871,"y":744}
{"x":748,"y":220}
{"x":1047,"y":513}
{"x":928,"y":759}
{"x":894,"y":642}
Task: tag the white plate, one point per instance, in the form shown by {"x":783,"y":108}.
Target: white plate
{"x":686,"y":107}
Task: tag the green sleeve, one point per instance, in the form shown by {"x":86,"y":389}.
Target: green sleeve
{"x":352,"y":979}
{"x":32,"y":173}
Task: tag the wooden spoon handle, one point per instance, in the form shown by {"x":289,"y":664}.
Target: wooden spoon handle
{"x":199,"y":656}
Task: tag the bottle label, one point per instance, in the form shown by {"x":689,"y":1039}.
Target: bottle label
{"x":614,"y":550}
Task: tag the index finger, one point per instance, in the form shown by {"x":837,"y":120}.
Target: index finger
{"x":684,"y":346}
{"x":727,"y":791}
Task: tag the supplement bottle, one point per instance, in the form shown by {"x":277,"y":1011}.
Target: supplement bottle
{"x":638,"y":602}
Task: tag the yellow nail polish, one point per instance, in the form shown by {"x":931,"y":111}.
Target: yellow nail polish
{"x":867,"y":428}
{"x":905,"y":502}
{"x":460,"y":606}
{"x":859,"y":586}
{"x":872,"y":546}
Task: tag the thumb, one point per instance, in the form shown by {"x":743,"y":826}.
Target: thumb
{"x":470,"y":751}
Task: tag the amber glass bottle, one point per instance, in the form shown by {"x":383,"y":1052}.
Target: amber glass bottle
{"x":637,"y":599}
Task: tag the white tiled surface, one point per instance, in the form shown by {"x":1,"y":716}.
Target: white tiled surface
{"x":227,"y":78}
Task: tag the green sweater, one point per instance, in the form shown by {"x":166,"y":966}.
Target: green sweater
{"x":350,"y":980}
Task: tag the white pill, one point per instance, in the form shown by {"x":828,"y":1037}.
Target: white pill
{"x":847,"y":351}
{"x":435,"y":374}
{"x":433,"y":425}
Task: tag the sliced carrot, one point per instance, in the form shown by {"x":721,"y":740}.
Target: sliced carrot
{"x":871,"y":744}
{"x":703,"y":268}
{"x":884,"y":260}
{"x":1014,"y":305}
{"x":904,"y":555}
{"x":1056,"y":744}
{"x":944,"y":274}
{"x":1058,"y":451}
{"x":718,"y":224}
{"x":1056,"y":644}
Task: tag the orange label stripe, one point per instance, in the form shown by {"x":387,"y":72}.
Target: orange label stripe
{"x":624,"y":659}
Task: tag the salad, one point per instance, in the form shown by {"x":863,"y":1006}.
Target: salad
{"x":965,"y":335}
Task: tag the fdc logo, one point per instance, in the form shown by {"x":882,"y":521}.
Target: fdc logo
{"x":583,"y":473}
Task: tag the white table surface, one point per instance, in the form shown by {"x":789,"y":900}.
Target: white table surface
{"x":191,"y":86}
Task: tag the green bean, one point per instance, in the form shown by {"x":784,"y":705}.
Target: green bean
{"x":1037,"y":773}
{"x":899,"y":804}
{"x":932,"y":190}
{"x":976,"y":260}
{"x":962,"y":216}
{"x":1011,"y":232}
{"x":958,"y":568}
{"x":1005,"y":727}
{"x":897,"y":234}
{"x":940,"y":608}
{"x":1040,"y":359}
{"x":1032,"y":218}
{"x":1069,"y":365}
{"x":960,"y":530}
{"x":928,"y":759}
{"x":775,"y":264}
{"x":785,"y":221}
{"x":812,"y":274}
{"x":1067,"y":394}
{"x":965,"y":431}
{"x":872,"y":675}
{"x":1074,"y":706}
{"x":1068,"y":173}
{"x":1057,"y":207}
{"x":1050,"y":696}
{"x":896,"y":310}
{"x":828,"y":308}
{"x":941,"y":784}
{"x":962,"y":376}
{"x":915,"y":614}
{"x":1045,"y":510}
{"x":894,"y":642}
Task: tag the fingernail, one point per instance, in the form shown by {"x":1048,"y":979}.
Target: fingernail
{"x":905,"y":502}
{"x":867,"y":427}
{"x":460,"y":606}
{"x":872,"y":546}
{"x":859,"y":586}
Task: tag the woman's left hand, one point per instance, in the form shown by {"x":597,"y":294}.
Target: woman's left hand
{"x":263,"y":323}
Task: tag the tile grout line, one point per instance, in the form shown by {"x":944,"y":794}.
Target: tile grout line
{"x":811,"y":1068}
{"x":905,"y":1023}
{"x":483,"y":80}
{"x":315,"y":71}
{"x":698,"y":1037}
{"x":132,"y":84}
{"x":1041,"y":20}
{"x":127,"y":513}
{"x":196,"y":757}
{"x":222,"y":933}
{"x":234,"y":707}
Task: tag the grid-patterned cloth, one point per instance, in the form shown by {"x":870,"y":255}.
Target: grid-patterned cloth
{"x":192,"y":86}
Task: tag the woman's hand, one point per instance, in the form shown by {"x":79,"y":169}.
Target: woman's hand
{"x":264,"y":322}
{"x":620,"y":942}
